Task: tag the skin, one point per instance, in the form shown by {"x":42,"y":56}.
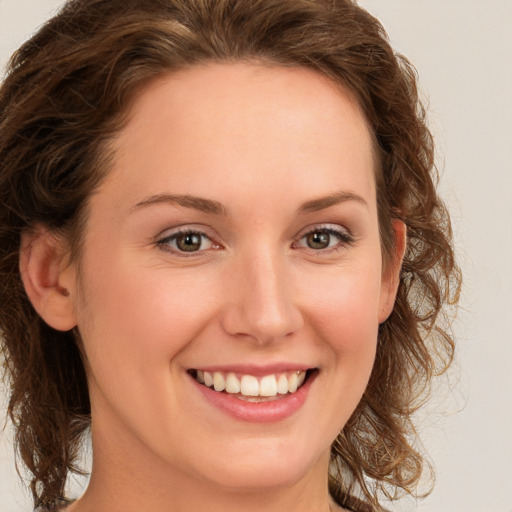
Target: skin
{"x":250,"y":138}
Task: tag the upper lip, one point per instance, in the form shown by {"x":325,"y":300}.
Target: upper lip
{"x":256,"y":370}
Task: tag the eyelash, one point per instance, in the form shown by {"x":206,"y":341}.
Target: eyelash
{"x":344,"y":239}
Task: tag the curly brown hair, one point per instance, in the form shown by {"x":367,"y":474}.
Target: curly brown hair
{"x":66,"y":94}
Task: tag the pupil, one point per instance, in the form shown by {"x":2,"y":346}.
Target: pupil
{"x":318,"y":240}
{"x":189,"y":243}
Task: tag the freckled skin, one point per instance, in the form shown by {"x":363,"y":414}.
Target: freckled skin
{"x":261,"y":141}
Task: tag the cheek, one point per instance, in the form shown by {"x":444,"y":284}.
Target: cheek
{"x":343,"y":318}
{"x":345,"y":310}
{"x":140,"y":316}
{"x":136,"y":323}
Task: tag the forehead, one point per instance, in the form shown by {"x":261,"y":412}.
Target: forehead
{"x":244,"y":124}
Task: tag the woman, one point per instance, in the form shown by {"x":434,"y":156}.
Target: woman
{"x":222,"y":251}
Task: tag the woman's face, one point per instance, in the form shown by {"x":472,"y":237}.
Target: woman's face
{"x":235,"y":240}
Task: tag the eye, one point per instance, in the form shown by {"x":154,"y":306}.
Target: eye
{"x":187,"y":242}
{"x":325,"y":238}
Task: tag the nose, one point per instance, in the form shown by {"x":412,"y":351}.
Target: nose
{"x":261,"y":304}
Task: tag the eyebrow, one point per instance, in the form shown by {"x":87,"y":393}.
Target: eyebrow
{"x":214,"y":207}
{"x":197,"y":203}
{"x":330,"y":200}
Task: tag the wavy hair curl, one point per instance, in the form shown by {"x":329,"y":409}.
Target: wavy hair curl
{"x":66,"y":94}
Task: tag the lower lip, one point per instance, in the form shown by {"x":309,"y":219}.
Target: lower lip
{"x":258,"y":412}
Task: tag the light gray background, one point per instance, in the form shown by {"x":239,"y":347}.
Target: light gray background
{"x":463,"y":52}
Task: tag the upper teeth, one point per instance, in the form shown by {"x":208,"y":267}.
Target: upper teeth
{"x":249,"y":385}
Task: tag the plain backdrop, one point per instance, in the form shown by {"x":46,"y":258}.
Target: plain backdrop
{"x":463,"y":52}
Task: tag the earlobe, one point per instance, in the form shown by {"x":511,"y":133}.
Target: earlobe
{"x":47,"y":278}
{"x":391,"y":272}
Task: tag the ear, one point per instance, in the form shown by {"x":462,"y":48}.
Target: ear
{"x":48,"y":279}
{"x":391,"y":271}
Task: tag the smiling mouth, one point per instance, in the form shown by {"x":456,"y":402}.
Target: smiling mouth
{"x":251,"y":388}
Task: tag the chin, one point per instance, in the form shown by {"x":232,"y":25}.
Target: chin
{"x":248,"y":480}
{"x":267,"y":470}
